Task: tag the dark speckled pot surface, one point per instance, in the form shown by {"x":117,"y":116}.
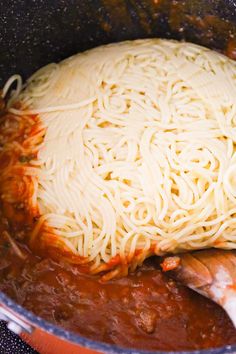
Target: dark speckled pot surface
{"x":36,"y":32}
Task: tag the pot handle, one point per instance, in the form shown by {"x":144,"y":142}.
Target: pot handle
{"x":14,"y":323}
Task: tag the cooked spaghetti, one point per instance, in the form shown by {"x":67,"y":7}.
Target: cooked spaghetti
{"x":132,"y":154}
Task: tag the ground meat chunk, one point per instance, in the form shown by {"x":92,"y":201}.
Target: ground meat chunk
{"x":147,"y":321}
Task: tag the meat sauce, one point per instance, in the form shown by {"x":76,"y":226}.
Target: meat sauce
{"x":144,"y":310}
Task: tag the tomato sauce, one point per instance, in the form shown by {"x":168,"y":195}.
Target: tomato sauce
{"x":145,"y":310}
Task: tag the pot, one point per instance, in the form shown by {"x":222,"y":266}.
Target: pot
{"x":35,"y":33}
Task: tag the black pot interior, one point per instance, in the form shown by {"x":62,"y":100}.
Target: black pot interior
{"x":34,"y":33}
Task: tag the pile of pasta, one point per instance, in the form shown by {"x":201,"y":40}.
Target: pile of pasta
{"x":137,"y":155}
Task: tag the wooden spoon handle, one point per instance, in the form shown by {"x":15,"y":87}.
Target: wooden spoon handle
{"x":211,"y":273}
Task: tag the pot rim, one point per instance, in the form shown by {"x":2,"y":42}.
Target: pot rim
{"x":89,"y":343}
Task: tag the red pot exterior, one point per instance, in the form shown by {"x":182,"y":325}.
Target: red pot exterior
{"x":40,"y":339}
{"x":46,"y":343}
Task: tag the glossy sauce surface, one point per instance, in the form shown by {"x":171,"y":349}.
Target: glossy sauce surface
{"x":143,"y":310}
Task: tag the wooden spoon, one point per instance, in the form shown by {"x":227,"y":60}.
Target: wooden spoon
{"x":211,"y":273}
